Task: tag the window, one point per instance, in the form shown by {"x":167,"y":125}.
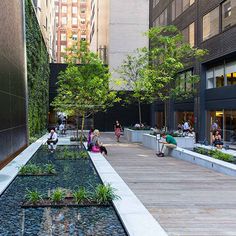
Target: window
{"x":82,"y":21}
{"x":82,"y":10}
{"x":228,"y":14}
{"x":75,"y":37}
{"x":179,"y":6}
{"x":82,"y":0}
{"x":57,"y":8}
{"x":222,"y":75}
{"x":64,"y":20}
{"x":211,"y":24}
{"x":185,"y":81}
{"x":74,"y":1}
{"x":63,"y":48}
{"x":83,"y":37}
{"x":210,"y":78}
{"x":63,"y":36}
{"x":188,"y":34}
{"x":230,"y":72}
{"x":64,"y":9}
{"x":74,"y":10}
{"x":161,"y":20}
{"x":64,"y":1}
{"x":74,"y":21}
{"x":62,"y":60}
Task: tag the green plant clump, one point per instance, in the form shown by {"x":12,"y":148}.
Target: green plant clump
{"x":38,"y":73}
{"x":104,"y":194}
{"x":33,"y":196}
{"x":58,"y":195}
{"x":215,"y":154}
{"x":33,"y":169}
{"x":83,"y":154}
{"x":81,"y":195}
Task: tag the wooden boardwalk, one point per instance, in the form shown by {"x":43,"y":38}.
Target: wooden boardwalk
{"x":186,"y":199}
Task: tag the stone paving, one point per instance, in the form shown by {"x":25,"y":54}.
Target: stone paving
{"x":185,"y":199}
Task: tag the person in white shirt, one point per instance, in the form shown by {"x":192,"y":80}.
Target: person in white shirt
{"x":186,"y":127}
{"x":52,"y":140}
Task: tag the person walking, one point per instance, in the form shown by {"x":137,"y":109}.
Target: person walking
{"x":117,"y":129}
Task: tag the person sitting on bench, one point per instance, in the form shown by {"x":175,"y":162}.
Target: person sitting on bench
{"x":169,"y":143}
{"x":52,"y":140}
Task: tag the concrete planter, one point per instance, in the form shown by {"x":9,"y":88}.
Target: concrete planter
{"x":185,"y":142}
{"x":135,"y":135}
{"x":205,"y":161}
{"x":149,"y":141}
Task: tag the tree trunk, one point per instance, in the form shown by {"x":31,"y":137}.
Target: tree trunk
{"x":165,"y":114}
{"x":139,"y":112}
{"x":82,"y":128}
{"x":77,"y":127}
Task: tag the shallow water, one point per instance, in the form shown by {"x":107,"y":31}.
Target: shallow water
{"x":15,"y":220}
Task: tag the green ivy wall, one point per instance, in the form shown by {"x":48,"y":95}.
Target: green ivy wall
{"x":38,"y":73}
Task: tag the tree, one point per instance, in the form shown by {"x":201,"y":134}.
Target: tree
{"x":168,"y":54}
{"x":131,"y":72}
{"x":83,"y":89}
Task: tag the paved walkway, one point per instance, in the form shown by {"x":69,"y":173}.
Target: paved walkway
{"x":186,"y":199}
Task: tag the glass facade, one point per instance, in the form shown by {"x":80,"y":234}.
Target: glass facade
{"x":226,"y":121}
{"x":221,"y":75}
{"x":182,"y":116}
{"x":211,"y":24}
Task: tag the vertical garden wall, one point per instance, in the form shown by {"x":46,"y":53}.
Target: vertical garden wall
{"x":38,"y":73}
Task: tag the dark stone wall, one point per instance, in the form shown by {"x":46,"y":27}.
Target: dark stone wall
{"x":13,"y":120}
{"x":127,"y":115}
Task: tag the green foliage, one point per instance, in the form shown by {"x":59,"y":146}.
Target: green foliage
{"x":58,"y":195}
{"x":215,"y":154}
{"x":83,"y":154}
{"x":37,"y":72}
{"x":83,"y":90}
{"x":33,"y":196}
{"x":33,"y":169}
{"x":104,"y":194}
{"x":81,"y":195}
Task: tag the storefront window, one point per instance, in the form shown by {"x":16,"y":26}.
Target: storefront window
{"x":160,"y":119}
{"x":182,"y":116}
{"x":231,"y":73}
{"x":219,"y":76}
{"x":226,"y":122}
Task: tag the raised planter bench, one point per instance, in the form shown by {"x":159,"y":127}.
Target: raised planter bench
{"x":205,"y":161}
{"x":149,"y":141}
{"x":135,"y":136}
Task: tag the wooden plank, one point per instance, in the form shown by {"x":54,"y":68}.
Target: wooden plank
{"x":186,"y":199}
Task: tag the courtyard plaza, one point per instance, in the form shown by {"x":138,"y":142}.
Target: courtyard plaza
{"x":184,"y":198}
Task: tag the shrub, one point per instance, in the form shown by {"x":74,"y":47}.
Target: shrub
{"x":83,"y":154}
{"x":104,"y":194}
{"x":80,"y":195}
{"x":58,"y":195}
{"x":33,"y":196}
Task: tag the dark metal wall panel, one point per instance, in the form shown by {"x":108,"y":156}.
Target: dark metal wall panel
{"x":13,"y":118}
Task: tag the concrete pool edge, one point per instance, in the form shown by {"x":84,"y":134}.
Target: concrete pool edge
{"x":136,"y":219}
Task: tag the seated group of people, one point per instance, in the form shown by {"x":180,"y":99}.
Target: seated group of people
{"x":94,"y":142}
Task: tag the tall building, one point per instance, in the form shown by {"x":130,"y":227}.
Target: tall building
{"x":13,"y":85}
{"x":211,"y":25}
{"x":72,"y":24}
{"x":45,"y":11}
{"x":117,"y":29}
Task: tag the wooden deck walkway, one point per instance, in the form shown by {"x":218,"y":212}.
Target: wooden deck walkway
{"x":186,"y":199}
